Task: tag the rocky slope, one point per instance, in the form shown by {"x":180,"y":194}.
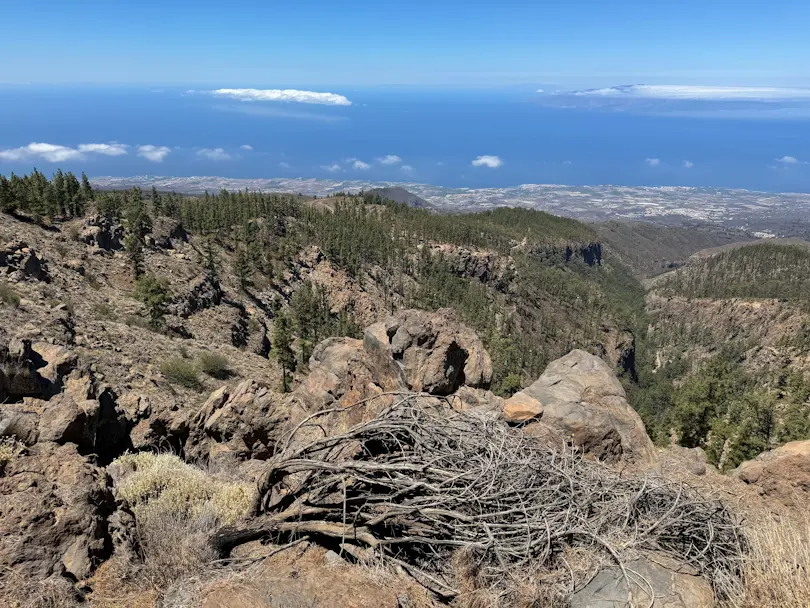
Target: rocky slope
{"x":137,"y":460}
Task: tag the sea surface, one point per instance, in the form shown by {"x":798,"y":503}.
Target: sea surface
{"x":435,"y":135}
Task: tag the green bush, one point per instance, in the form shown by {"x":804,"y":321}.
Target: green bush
{"x":8,"y":295}
{"x":181,"y":372}
{"x":214,"y":365}
{"x":103,"y":310}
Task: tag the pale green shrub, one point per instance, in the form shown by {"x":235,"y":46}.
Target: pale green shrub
{"x":163,"y":483}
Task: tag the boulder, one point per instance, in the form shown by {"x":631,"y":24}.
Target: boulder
{"x":665,"y":584}
{"x":20,"y":423}
{"x":579,"y":398}
{"x":783,"y":473}
{"x":102,"y":233}
{"x":245,"y":422}
{"x":166,"y":231}
{"x":342,"y":373}
{"x":23,"y":262}
{"x":53,"y":510}
{"x":437,"y":354}
{"x":58,"y":361}
{"x":18,"y":371}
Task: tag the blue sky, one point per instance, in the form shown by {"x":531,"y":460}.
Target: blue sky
{"x":364,"y":43}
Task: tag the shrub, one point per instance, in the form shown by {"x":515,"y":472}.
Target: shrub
{"x":136,"y":321}
{"x":102,"y":310}
{"x":182,"y":372}
{"x":8,"y":295}
{"x":177,"y":507}
{"x":163,"y":482}
{"x":214,"y":365}
{"x":92,"y":281}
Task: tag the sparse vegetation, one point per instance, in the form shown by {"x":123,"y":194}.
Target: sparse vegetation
{"x":177,"y":507}
{"x":92,"y":281}
{"x":8,"y":295}
{"x":214,"y":365}
{"x":10,"y":449}
{"x":103,"y":310}
{"x":775,"y":569}
{"x":181,"y":372}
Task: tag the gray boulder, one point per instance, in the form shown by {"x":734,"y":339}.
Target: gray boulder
{"x":656,"y":581}
{"x":580,"y":399}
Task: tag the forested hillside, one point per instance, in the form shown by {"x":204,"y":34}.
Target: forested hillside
{"x":650,"y":249}
{"x":729,"y":332}
{"x":764,"y":270}
{"x":533,"y":285}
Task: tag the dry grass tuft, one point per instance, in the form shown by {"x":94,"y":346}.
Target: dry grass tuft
{"x":177,"y":508}
{"x":20,"y":591}
{"x":163,"y":483}
{"x":776,"y":571}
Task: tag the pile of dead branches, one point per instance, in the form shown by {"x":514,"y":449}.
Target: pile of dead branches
{"x":420,"y":482}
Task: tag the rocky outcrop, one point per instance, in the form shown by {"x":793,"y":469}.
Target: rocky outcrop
{"x":166,"y":232}
{"x":436,"y":353}
{"x":664,"y":584}
{"x":579,"y":398}
{"x":19,"y":262}
{"x":241,"y":423}
{"x":206,"y":293}
{"x":53,"y":510}
{"x":485,"y":266}
{"x":783,"y":473}
{"x":101,"y":232}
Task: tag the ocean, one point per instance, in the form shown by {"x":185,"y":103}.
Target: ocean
{"x":475,"y":138}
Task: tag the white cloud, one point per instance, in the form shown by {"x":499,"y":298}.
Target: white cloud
{"x":246,"y":147}
{"x":714,"y":93}
{"x":789,"y":160}
{"x":493,"y":162}
{"x":390,"y":159}
{"x":359,"y":165}
{"x":284,"y":165}
{"x":653,"y":162}
{"x":406,"y":169}
{"x":213,"y":154}
{"x":291,"y":95}
{"x":105,"y":149}
{"x":49,"y":152}
{"x":154,"y":153}
{"x":688,"y":164}
{"x":540,"y":91}
{"x":333,"y":168}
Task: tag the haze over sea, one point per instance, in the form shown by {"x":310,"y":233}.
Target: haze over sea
{"x":752,"y":138}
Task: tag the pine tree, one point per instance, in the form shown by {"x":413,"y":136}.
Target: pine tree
{"x":154,"y":294}
{"x":282,"y":348}
{"x":157,"y":202}
{"x":242,"y":269}
{"x":8,"y":204}
{"x":86,"y":189}
{"x":211,"y":260}
{"x":134,"y":247}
